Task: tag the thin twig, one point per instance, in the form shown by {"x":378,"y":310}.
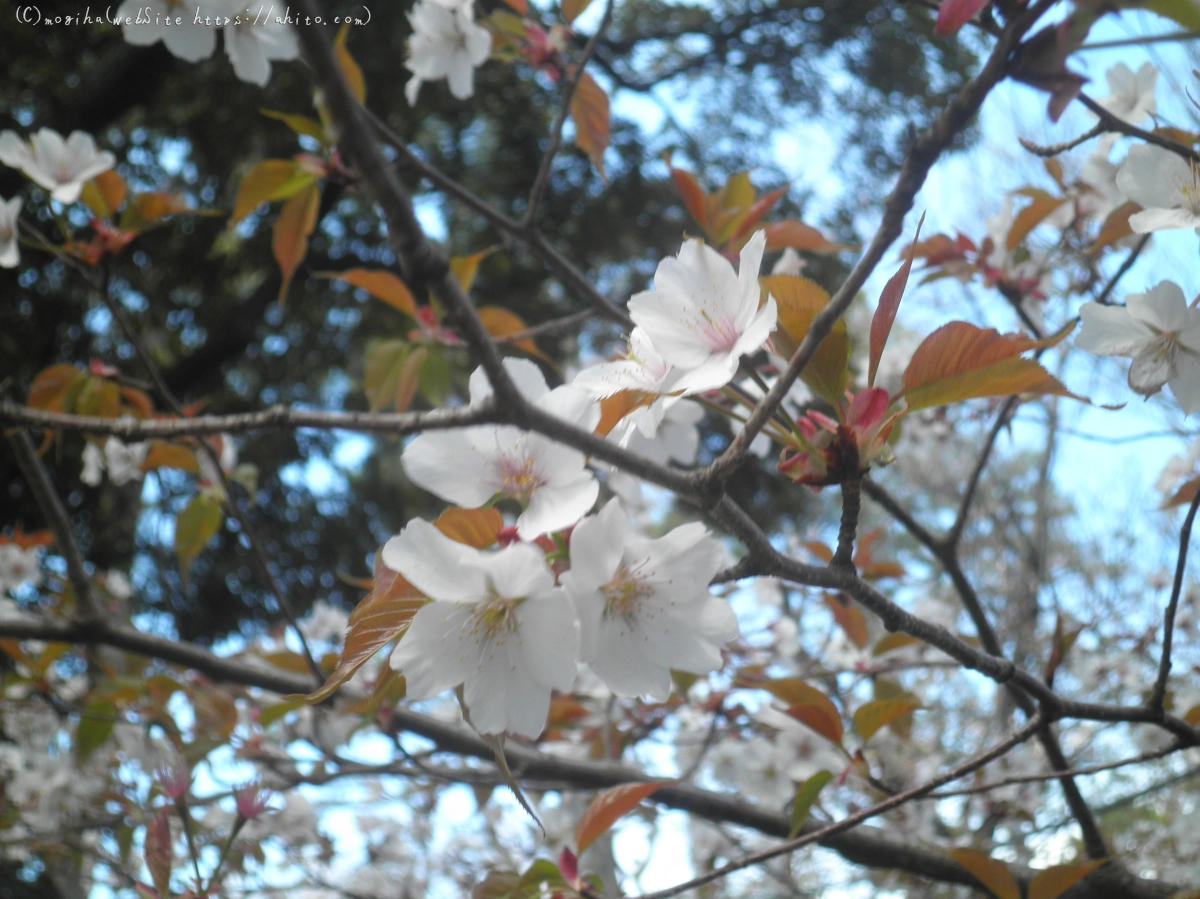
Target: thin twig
{"x":954,"y":535}
{"x":569,"y":85}
{"x":1056,"y":149}
{"x":1119,"y":125}
{"x":87,"y":610}
{"x":1159,"y":691}
{"x":1125,"y":266}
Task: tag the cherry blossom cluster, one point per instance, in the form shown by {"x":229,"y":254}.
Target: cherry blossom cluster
{"x":511,"y":626}
{"x":445,"y":43}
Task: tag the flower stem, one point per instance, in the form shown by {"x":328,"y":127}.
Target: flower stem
{"x":851,"y":503}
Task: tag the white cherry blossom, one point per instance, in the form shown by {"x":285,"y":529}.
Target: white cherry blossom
{"x":1159,"y":332}
{"x":702,"y":317}
{"x":1165,"y":185}
{"x":643,"y":368}
{"x":123,"y":462}
{"x":253,"y":40}
{"x":644,"y":606}
{"x":187,"y":36}
{"x":496,"y":625}
{"x":10,"y":253}
{"x":60,"y":166}
{"x":469,"y":466}
{"x":1131,"y":95}
{"x":18,"y":566}
{"x":445,"y":43}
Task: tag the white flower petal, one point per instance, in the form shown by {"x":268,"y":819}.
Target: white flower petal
{"x":436,"y":565}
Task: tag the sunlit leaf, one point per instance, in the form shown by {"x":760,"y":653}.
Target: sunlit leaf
{"x":885,"y":312}
{"x":589,"y":112}
{"x":501,"y":323}
{"x":103,"y":194}
{"x":350,"y":70}
{"x":273,"y":179}
{"x":375,"y":621}
{"x":194,"y":527}
{"x":992,"y":874}
{"x":479,"y":528}
{"x":1042,"y":205}
{"x":379,"y":283}
{"x":572,"y":9}
{"x":613,"y":803}
{"x":1116,"y":225}
{"x":466,"y":268}
{"x":382,"y":370}
{"x":289,"y":240}
{"x":616,"y":407}
{"x":879,"y":713}
{"x":170,"y":455}
{"x":806,"y":795}
{"x":1053,"y":882}
{"x":892,"y":642}
{"x":960,"y":361}
{"x":300,"y":124}
{"x":799,"y":301}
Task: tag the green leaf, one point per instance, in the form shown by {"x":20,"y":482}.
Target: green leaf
{"x":385,"y":366}
{"x":300,"y":124}
{"x":806,"y":795}
{"x":95,"y":726}
{"x":194,"y":527}
{"x":1182,"y":12}
{"x":879,"y":713}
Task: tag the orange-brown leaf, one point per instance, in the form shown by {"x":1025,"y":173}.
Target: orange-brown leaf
{"x":170,"y":455}
{"x":614,"y":408}
{"x":103,"y":194}
{"x":51,"y":385}
{"x":521,"y":6}
{"x":610,"y":805}
{"x":466,"y":268}
{"x":479,"y":528}
{"x":695,"y":199}
{"x":807,"y":705}
{"x":1032,"y":215}
{"x":992,"y":874}
{"x":879,"y":713}
{"x":381,"y":284}
{"x":1053,"y":882}
{"x":1192,"y":716}
{"x":290,"y":236}
{"x":350,"y":70}
{"x":1116,"y":225}
{"x":589,"y":112}
{"x":273,"y":179}
{"x":382,"y":614}
{"x":889,"y":304}
{"x":891,"y":642}
{"x":571,"y":9}
{"x":798,"y":301}
{"x":849,"y":618}
{"x":799,"y":236}
{"x":960,"y":361}
{"x":501,"y":323}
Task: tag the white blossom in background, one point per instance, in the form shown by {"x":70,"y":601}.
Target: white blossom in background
{"x":445,"y":43}
{"x":758,"y":769}
{"x":1159,"y":332}
{"x":1165,"y":185}
{"x":18,"y":566}
{"x":188,"y":40}
{"x":469,"y":466}
{"x":10,"y":252}
{"x":325,"y":623}
{"x":789,"y":263}
{"x":60,"y":166}
{"x":644,"y":606}
{"x":1178,"y":469}
{"x":122,"y":461}
{"x":255,"y":41}
{"x":1130,"y":95}
{"x":497,"y":625}
{"x":702,"y":317}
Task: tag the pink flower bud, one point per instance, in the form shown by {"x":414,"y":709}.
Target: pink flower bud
{"x":251,"y":800}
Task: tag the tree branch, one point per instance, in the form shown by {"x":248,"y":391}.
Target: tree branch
{"x":1159,"y":691}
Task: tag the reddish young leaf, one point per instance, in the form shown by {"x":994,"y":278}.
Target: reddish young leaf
{"x":479,"y":528}
{"x":610,"y":805}
{"x":381,"y":284}
{"x":350,"y":70}
{"x":290,"y":236}
{"x":960,"y":361}
{"x":992,"y":874}
{"x":589,"y":112}
{"x":954,"y":14}
{"x":889,"y":303}
{"x":1053,"y":882}
{"x":53,"y":385}
{"x":694,"y":197}
{"x":375,"y":621}
{"x":568,"y":865}
{"x":754,"y":214}
{"x":157,"y":851}
{"x":799,"y":236}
